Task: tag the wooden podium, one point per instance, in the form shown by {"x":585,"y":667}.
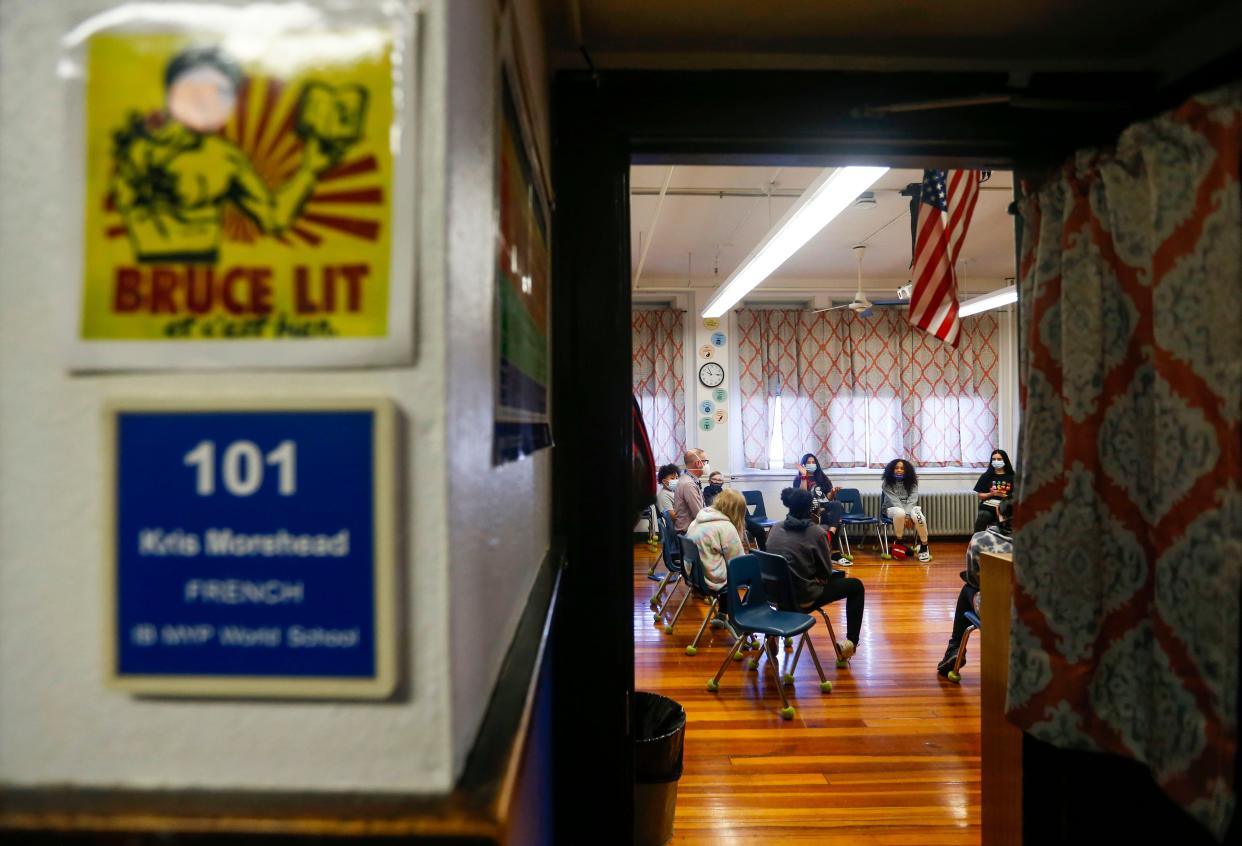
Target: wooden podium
{"x":1001,"y":740}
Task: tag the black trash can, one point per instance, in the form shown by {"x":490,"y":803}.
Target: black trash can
{"x":659,"y":732}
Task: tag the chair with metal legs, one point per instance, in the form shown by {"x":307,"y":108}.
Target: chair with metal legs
{"x":781,"y":582}
{"x":670,"y":554}
{"x":751,"y":613}
{"x":696,"y":583}
{"x":851,"y":502}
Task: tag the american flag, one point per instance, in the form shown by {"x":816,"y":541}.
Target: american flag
{"x":946,"y":204}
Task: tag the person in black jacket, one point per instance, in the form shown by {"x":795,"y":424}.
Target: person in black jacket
{"x":994,"y":487}
{"x":806,"y":546}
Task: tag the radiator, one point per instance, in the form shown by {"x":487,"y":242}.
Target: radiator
{"x":947,"y":512}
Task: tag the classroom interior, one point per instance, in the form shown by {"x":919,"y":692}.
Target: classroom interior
{"x":892,"y":748}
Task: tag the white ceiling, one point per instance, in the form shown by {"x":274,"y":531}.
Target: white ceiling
{"x":699,"y":240}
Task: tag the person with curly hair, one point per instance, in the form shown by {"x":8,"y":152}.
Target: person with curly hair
{"x":667,"y":475}
{"x":900,"y":492}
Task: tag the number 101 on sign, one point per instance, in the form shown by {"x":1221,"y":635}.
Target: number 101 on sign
{"x":242,"y":467}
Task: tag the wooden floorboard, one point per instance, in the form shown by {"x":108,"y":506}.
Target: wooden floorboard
{"x":889,"y":757}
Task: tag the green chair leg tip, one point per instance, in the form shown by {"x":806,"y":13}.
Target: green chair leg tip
{"x":691,"y":651}
{"x":955,"y":677}
{"x":787,"y":679}
{"x":655,"y":618}
{"x":752,"y":664}
{"x":789,"y":643}
{"x":668,"y":629}
{"x":825,"y":687}
{"x":886,"y":557}
{"x":787,"y":713}
{"x":737,"y":655}
{"x":713,"y":686}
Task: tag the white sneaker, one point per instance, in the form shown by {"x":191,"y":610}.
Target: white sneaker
{"x":924,"y":553}
{"x":844,"y":562}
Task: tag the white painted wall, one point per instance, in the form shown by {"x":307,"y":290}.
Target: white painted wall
{"x":58,"y":725}
{"x":499,"y":521}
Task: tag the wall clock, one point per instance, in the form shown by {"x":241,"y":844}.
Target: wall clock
{"x":711,"y":375}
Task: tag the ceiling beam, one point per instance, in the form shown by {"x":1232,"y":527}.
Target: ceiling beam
{"x":655,"y":220}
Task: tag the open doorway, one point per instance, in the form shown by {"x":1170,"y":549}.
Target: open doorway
{"x":820,"y":358}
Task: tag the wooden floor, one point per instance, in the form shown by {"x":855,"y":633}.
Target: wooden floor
{"x":890,"y":756}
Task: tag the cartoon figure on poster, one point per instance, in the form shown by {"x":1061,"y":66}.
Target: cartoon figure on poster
{"x":176,"y":173}
{"x":223,"y":203}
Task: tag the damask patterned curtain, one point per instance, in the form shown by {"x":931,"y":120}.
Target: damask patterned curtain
{"x":659,"y":384}
{"x":860,"y":391}
{"x":1128,"y":553}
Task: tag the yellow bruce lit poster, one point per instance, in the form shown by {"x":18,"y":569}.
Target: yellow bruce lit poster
{"x":231,"y":198}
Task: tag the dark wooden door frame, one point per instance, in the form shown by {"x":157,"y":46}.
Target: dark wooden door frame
{"x":602,"y":123}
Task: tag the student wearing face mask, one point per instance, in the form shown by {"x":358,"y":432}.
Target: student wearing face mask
{"x":994,"y":487}
{"x":715,"y":484}
{"x":900,"y":491}
{"x":668,"y":486}
{"x":688,"y":498}
{"x":811,"y":477}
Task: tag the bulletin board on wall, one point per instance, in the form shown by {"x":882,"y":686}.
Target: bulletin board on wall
{"x":248,"y":185}
{"x":523,"y":348}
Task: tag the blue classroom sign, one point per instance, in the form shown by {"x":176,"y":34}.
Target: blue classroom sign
{"x":252,"y":550}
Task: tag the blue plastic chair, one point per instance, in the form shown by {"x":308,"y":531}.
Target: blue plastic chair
{"x":754,"y":503}
{"x":696,"y":582}
{"x":751,"y":613}
{"x":780,"y":580}
{"x":670,"y":554}
{"x":851,"y":501}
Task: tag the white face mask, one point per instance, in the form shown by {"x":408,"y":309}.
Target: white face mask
{"x":707,"y":468}
{"x":999,"y":465}
{"x":812,"y":467}
{"x":672,"y":486}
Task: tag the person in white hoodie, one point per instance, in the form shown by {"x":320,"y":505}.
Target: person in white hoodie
{"x":717,"y":532}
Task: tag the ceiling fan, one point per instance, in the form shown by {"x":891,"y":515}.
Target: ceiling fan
{"x":860,"y":304}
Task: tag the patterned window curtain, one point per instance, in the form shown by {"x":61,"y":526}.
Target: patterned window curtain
{"x":950,"y":397}
{"x":860,"y":391}
{"x":658,"y":346}
{"x":1128,"y":551}
{"x":767,"y":368}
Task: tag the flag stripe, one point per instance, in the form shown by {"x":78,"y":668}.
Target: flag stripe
{"x":947,"y":204}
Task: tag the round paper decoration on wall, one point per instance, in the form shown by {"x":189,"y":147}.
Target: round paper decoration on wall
{"x":720,"y":395}
{"x":707,"y":351}
{"x":707,"y":424}
{"x":710,"y":323}
{"x":718,"y":339}
{"x":721,"y":415}
{"x":707,"y":407}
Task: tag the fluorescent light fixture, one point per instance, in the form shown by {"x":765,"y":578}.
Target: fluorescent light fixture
{"x":825,"y":198}
{"x":996,"y":299}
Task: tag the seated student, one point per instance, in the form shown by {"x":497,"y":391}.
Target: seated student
{"x":668,"y":486}
{"x":996,"y":538}
{"x":900,"y":493}
{"x":811,"y":477}
{"x":994,"y":487}
{"x":808,"y":546}
{"x":715,"y":484}
{"x":717,"y":532}
{"x":688,"y":498}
